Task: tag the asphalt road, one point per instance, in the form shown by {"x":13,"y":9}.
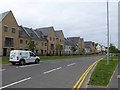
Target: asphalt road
{"x":47,"y":74}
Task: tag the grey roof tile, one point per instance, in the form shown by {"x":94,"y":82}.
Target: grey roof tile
{"x":23,"y":33}
{"x":31,"y":33}
{"x":88,"y":44}
{"x":45,"y":30}
{"x":74,"y":39}
{"x":57,"y":33}
{"x":2,"y":15}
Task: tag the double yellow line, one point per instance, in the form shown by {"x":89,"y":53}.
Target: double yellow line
{"x":82,"y":78}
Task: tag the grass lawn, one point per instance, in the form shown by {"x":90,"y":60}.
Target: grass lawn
{"x":5,"y":60}
{"x":102,"y":72}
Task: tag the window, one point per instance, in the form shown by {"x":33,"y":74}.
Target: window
{"x":9,"y":42}
{"x":6,"y":28}
{"x":31,"y":54}
{"x":45,"y":44}
{"x":26,"y":42}
{"x":21,"y":41}
{"x":13,"y":30}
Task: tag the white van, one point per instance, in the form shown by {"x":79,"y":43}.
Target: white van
{"x":22,"y":57}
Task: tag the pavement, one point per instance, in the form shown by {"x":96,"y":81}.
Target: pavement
{"x":47,"y":74}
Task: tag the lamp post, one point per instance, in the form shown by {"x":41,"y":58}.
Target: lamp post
{"x":107,"y":33}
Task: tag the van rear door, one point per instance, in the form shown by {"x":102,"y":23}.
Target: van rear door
{"x":13,"y":56}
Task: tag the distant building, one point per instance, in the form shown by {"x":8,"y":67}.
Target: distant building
{"x":68,"y":47}
{"x":98,"y":48}
{"x":78,"y":44}
{"x":90,"y":47}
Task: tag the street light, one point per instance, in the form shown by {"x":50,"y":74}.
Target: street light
{"x":107,"y":33}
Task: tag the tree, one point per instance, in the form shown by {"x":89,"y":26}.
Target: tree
{"x":73,"y":49}
{"x":113,"y":49}
{"x":32,"y":45}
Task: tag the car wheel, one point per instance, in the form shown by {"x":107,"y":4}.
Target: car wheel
{"x":22,"y":62}
{"x":13,"y":63}
{"x":37,"y":61}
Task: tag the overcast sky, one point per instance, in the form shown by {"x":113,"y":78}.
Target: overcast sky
{"x":83,"y":18}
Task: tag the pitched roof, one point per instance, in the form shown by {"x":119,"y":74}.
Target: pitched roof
{"x":45,"y":30}
{"x":88,"y":44}
{"x":23,"y":33}
{"x":2,"y":15}
{"x":69,"y":42}
{"x":58,"y":32}
{"x":40,"y":35}
{"x":74,"y":39}
{"x":31,"y":33}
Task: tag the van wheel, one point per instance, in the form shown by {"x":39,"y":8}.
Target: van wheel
{"x":22,"y":62}
{"x":13,"y":63}
{"x":37,"y":61}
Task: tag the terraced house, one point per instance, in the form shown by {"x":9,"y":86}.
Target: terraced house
{"x":9,"y":31}
{"x":49,"y":34}
{"x":90,"y":47}
{"x":78,"y":44}
{"x":47,"y":40}
{"x":59,"y":42}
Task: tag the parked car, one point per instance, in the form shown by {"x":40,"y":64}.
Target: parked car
{"x":22,"y":57}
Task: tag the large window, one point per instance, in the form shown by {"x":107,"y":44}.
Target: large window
{"x":9,"y":42}
{"x":6,"y":28}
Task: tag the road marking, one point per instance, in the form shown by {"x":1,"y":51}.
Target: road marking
{"x":52,"y":70}
{"x":82,"y":78}
{"x":15,"y":83}
{"x":71,"y":64}
{"x":2,"y":70}
{"x":27,"y":65}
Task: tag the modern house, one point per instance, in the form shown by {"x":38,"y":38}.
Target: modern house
{"x":24,"y":38}
{"x":104,"y":49}
{"x":98,"y":48}
{"x":9,"y":33}
{"x":59,"y":42}
{"x":49,"y":34}
{"x":68,"y":47}
{"x":77,"y":44}
{"x":43,"y":42}
{"x":90,"y":47}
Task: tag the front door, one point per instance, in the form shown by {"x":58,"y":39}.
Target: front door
{"x":4,"y":51}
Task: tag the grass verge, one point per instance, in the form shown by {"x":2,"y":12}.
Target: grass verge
{"x":102,"y":73}
{"x":5,"y":60}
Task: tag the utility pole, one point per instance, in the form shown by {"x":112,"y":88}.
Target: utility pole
{"x":107,"y":33}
